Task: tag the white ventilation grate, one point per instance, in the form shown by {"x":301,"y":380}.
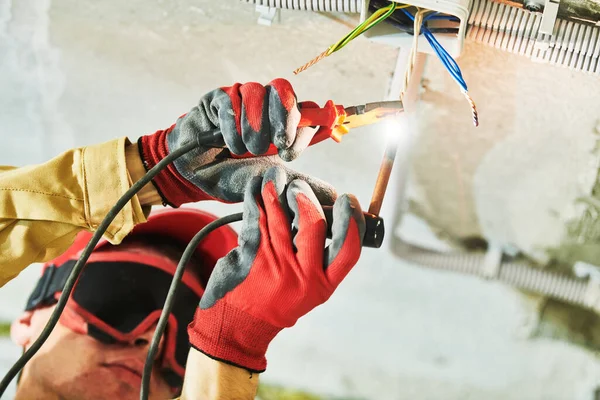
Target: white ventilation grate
{"x":573,"y":45}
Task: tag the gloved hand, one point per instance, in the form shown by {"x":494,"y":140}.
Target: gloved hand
{"x":274,"y":276}
{"x":242,"y":118}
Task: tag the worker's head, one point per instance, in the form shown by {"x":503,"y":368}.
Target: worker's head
{"x":98,"y":349}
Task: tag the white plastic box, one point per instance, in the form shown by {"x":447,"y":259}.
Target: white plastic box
{"x":453,"y":43}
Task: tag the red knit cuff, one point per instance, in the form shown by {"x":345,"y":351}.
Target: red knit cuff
{"x":173,"y":188}
{"x":228,"y":334}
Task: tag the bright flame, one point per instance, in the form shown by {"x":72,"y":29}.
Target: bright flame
{"x":395,"y":129}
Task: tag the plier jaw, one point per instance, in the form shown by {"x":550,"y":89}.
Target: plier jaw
{"x":371,"y":113}
{"x":334,"y":121}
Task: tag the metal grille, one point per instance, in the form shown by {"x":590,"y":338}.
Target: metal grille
{"x":573,"y":45}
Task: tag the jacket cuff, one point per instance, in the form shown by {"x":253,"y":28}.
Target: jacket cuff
{"x":227,"y":334}
{"x":106,"y":179}
{"x":173,"y":188}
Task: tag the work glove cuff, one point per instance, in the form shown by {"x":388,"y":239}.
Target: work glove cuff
{"x":228,"y":334}
{"x":173,"y":188}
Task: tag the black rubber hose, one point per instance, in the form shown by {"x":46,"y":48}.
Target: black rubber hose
{"x":170,"y":300}
{"x":62,"y":301}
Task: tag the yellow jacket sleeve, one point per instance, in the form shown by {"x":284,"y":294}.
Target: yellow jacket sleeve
{"x":43,"y":207}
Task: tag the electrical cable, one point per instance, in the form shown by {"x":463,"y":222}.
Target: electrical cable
{"x":408,"y":29}
{"x":441,"y":52}
{"x":515,"y":273}
{"x":447,"y":60}
{"x":77,"y":268}
{"x":402,"y":23}
{"x":417,"y":25}
{"x":452,"y":66}
{"x":170,"y":299}
{"x":375,"y":18}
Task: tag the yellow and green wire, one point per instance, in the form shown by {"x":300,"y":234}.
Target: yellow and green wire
{"x":379,"y":16}
{"x":375,"y":18}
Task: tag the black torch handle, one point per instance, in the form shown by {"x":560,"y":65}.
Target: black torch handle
{"x":374,"y":232}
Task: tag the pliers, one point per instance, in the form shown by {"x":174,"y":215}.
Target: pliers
{"x":334,"y":121}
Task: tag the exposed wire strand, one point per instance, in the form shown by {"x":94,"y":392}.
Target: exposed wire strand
{"x":312,"y":62}
{"x":474,"y":112}
{"x":452,"y":66}
{"x":375,"y":18}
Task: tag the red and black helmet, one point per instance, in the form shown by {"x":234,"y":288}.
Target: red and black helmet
{"x":121,"y":291}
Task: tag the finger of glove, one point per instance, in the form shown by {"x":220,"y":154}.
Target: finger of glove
{"x":227,"y":102}
{"x":284,"y":115}
{"x":256,"y":129}
{"x":196,"y":125}
{"x":309,"y":222}
{"x":348,"y":230}
{"x":231,"y":270}
{"x":225,"y":178}
{"x":325,"y":193}
{"x":276,"y":209}
{"x":303,"y":138}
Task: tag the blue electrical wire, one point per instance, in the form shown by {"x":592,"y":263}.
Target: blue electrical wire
{"x":445,"y":17}
{"x":446,"y":59}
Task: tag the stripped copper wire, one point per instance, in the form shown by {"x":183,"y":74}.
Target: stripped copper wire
{"x":364,"y":26}
{"x":473,"y":108}
{"x":312,"y":62}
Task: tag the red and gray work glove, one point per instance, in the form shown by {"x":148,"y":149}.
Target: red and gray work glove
{"x":237,"y":119}
{"x":280,"y":271}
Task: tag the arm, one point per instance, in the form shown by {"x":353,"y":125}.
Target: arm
{"x":43,"y":207}
{"x":148,"y":196}
{"x":206,"y":378}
